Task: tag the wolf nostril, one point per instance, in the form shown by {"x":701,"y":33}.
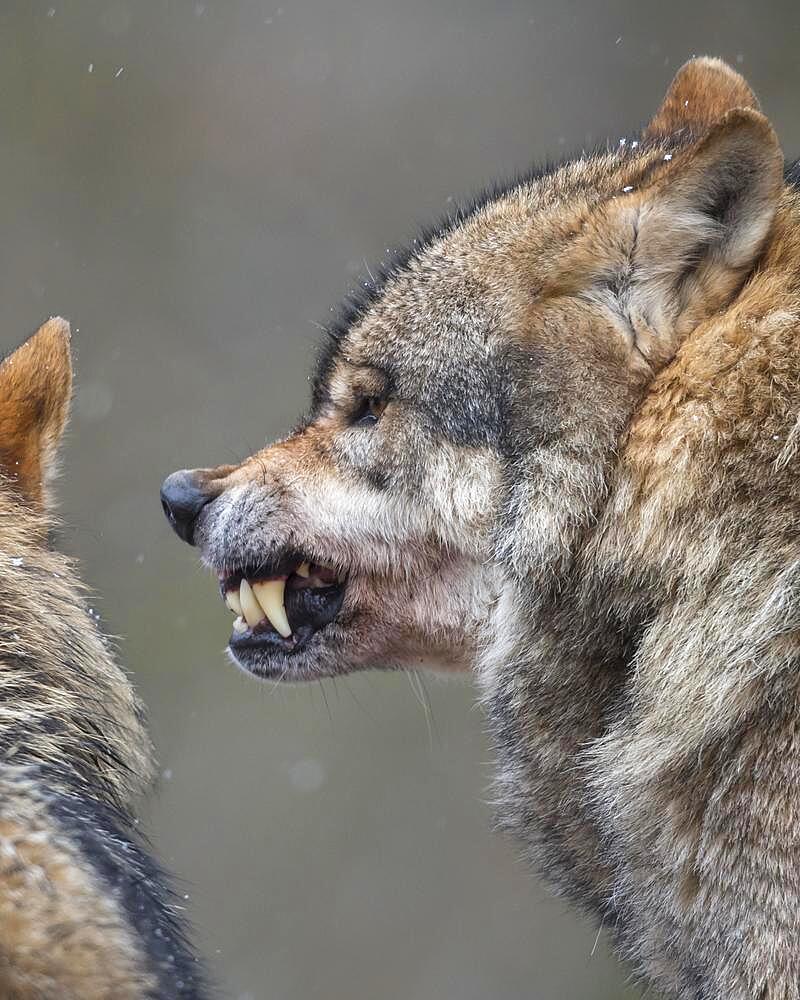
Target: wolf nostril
{"x":182,"y":500}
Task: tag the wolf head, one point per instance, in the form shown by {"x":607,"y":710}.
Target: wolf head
{"x":66,"y":704}
{"x":466,"y":411}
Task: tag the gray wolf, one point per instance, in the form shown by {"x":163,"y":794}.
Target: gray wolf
{"x":556,"y":443}
{"x":85,"y":912}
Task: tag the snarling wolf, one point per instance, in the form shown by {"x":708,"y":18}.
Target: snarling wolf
{"x":558,"y":443}
{"x":85,"y":913}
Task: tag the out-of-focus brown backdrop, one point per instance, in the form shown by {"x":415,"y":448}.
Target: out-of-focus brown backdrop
{"x":195,"y":184}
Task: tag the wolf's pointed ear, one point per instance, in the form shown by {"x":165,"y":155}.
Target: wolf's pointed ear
{"x":694,"y":234}
{"x":702,"y":91}
{"x":35,"y":389}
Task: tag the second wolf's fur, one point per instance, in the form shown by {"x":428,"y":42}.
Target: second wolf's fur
{"x":560,"y":444}
{"x":85,"y":914}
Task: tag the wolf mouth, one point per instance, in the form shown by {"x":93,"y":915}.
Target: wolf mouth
{"x":280,"y":606}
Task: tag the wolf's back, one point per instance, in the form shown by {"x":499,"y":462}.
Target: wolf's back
{"x":85,"y":913}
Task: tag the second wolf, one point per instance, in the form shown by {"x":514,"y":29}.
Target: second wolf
{"x":85,"y":912}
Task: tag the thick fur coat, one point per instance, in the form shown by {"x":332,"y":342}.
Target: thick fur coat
{"x":85,"y":913}
{"x":558,"y":443}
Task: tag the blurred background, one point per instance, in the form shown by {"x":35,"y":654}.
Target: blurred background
{"x":195,"y":184}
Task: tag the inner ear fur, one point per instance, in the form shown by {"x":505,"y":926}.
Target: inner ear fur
{"x":701,"y":93}
{"x":694,"y":234}
{"x":35,"y":391}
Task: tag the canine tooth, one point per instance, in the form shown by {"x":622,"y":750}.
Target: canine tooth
{"x":270,"y":597}
{"x":239,"y":625}
{"x":303,"y":570}
{"x":233,"y":602}
{"x":251,"y":609}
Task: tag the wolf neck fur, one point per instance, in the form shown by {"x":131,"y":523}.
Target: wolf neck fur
{"x":67,"y":706}
{"x":554,"y":679}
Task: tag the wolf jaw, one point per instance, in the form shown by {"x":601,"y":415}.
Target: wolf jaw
{"x":294,"y":617}
{"x":281,"y":605}
{"x":259,"y":596}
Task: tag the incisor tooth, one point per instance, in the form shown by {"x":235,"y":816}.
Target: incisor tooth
{"x":233,"y":602}
{"x":303,"y":570}
{"x":270,"y":597}
{"x":239,"y":625}
{"x":251,"y":609}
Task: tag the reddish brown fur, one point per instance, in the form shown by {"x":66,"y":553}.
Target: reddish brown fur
{"x":701,"y":93}
{"x":37,"y":381}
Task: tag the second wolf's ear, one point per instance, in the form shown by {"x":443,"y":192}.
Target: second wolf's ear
{"x":693,"y":235}
{"x":35,"y":389}
{"x":702,"y":91}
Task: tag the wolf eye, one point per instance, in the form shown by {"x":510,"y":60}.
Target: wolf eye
{"x":368,"y":412}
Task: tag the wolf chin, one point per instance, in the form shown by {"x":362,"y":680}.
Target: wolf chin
{"x":85,"y":912}
{"x":557,"y":443}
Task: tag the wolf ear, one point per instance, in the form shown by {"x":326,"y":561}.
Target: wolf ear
{"x":702,"y":91}
{"x":35,"y":389}
{"x":694,"y":234}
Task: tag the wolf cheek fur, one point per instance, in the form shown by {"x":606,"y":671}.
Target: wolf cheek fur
{"x":582,"y":483}
{"x":85,"y":914}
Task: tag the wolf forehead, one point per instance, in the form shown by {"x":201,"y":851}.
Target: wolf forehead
{"x":462,"y":291}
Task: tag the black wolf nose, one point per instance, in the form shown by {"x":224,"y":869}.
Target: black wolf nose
{"x":182,"y":500}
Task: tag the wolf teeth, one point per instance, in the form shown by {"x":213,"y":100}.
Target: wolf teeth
{"x":251,"y":609}
{"x":256,"y":601}
{"x":233,"y":603}
{"x":253,"y":602}
{"x":270,"y":595}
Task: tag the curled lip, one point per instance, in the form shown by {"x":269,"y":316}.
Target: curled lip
{"x":280,"y":604}
{"x":264,"y":638}
{"x":277,"y":566}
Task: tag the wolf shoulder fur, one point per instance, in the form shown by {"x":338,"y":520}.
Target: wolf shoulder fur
{"x":85,"y":913}
{"x":559,"y":445}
